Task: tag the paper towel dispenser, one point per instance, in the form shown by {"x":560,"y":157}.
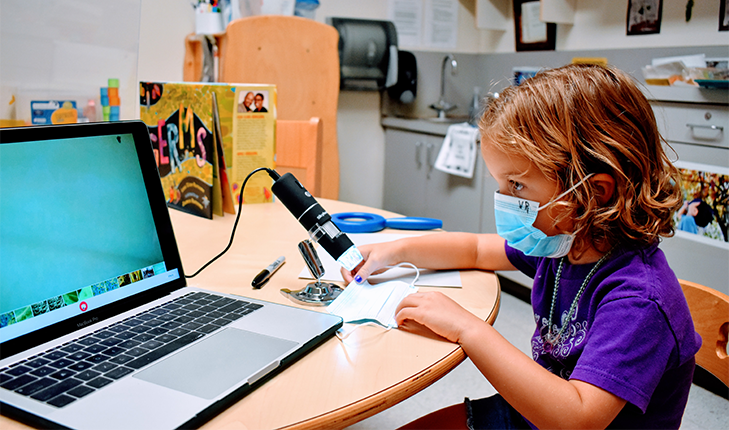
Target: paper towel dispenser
{"x":367,"y":53}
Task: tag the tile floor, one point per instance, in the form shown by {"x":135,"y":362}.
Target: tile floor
{"x":705,"y":410}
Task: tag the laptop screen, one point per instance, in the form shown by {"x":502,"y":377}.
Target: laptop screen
{"x":77,"y":230}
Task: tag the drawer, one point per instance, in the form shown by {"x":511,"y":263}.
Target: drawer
{"x":690,"y":123}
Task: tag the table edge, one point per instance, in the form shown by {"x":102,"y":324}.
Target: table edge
{"x":390,"y":396}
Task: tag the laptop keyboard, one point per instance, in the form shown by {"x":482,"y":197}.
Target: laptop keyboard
{"x":73,"y":370}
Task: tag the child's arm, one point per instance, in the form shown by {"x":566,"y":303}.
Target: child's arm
{"x":435,"y":251}
{"x":545,"y":399}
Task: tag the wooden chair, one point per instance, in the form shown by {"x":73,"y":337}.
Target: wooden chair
{"x":301,"y":57}
{"x":298,"y":151}
{"x":710,"y":312}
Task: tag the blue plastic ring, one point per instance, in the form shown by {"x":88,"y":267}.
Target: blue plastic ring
{"x":359,"y":222}
{"x":413,"y":223}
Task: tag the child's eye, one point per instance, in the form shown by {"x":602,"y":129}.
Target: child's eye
{"x":516,"y":186}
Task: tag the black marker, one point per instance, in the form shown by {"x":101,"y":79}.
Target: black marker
{"x":266,"y":273}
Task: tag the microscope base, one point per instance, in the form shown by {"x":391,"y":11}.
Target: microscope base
{"x":314,"y":294}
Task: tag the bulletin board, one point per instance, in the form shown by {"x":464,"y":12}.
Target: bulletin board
{"x":67,"y":49}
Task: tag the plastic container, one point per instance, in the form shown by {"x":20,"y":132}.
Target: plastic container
{"x":474,"y":109}
{"x":90,"y":111}
{"x":306,"y":8}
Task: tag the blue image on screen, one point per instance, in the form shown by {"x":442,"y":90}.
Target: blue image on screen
{"x":73,"y":213}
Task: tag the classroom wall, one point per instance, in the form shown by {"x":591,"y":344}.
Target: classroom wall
{"x":599,"y":25}
{"x":598,"y":29}
{"x":361,"y":138}
{"x":67,"y":50}
{"x":164,"y":25}
{"x":160,"y":26}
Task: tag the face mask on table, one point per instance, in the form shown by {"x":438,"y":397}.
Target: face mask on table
{"x":514,"y":219}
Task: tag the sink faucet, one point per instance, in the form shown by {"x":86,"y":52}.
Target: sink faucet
{"x":443,"y":106}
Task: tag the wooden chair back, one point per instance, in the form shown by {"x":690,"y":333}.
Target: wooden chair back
{"x":301,"y":57}
{"x":710,"y":313}
{"x":298,"y":151}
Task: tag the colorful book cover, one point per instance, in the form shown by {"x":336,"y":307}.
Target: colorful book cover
{"x":180,"y":122}
{"x":194,"y":144}
{"x":253,"y":145}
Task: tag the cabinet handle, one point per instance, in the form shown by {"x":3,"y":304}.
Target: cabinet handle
{"x":710,"y":126}
{"x":429,"y":157}
{"x":418,"y":153}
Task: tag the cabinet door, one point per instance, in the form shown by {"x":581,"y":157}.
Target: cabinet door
{"x":488,"y":222}
{"x":405,"y":172}
{"x":454,"y":199}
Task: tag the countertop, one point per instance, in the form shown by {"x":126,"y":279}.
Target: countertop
{"x":686,"y":94}
{"x":421,"y":125}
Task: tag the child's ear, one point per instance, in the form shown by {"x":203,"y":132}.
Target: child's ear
{"x":605,"y":186}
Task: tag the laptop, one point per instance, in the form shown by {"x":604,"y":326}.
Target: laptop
{"x":98,"y":328}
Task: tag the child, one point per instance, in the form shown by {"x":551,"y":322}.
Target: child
{"x":585,"y":193}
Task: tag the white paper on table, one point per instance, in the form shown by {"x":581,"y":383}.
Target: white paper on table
{"x":428,"y":278}
{"x":362,"y":303}
{"x":458,"y":153}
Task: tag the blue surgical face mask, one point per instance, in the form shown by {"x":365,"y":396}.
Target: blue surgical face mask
{"x":514,"y":222}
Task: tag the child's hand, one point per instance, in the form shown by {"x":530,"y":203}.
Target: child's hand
{"x":376,"y":257}
{"x":437,"y":312}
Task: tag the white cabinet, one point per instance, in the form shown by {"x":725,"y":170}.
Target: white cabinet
{"x":414,"y":188}
{"x":496,"y":14}
{"x":406,"y":170}
{"x":488,"y":222}
{"x":694,"y":124}
{"x":697,"y":134}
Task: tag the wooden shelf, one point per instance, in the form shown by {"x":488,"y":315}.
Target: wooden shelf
{"x":557,"y":11}
{"x":495,"y":15}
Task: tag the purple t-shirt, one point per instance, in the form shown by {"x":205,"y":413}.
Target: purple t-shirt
{"x":631,"y":333}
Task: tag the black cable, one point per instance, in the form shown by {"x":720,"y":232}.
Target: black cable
{"x":273,"y":175}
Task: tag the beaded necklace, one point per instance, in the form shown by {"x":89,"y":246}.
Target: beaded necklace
{"x":552,"y":340}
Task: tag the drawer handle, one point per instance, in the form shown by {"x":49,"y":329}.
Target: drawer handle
{"x":429,"y":157}
{"x":710,"y":127}
{"x":418,"y":150}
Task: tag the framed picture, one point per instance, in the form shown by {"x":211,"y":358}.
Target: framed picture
{"x":530,"y":32}
{"x":705,"y":209}
{"x":644,"y":17}
{"x":724,"y":15}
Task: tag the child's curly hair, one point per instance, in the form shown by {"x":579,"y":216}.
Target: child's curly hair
{"x":580,"y":119}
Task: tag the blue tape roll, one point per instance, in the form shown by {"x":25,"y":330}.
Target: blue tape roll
{"x":413,"y":223}
{"x":359,"y":222}
{"x":365,"y":222}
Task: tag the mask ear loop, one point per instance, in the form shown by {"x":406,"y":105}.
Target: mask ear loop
{"x":417,"y":271}
{"x":370,"y":323}
{"x":572,"y":188}
{"x":349,"y":332}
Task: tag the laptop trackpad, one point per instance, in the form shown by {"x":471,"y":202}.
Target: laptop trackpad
{"x":216,"y":363}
